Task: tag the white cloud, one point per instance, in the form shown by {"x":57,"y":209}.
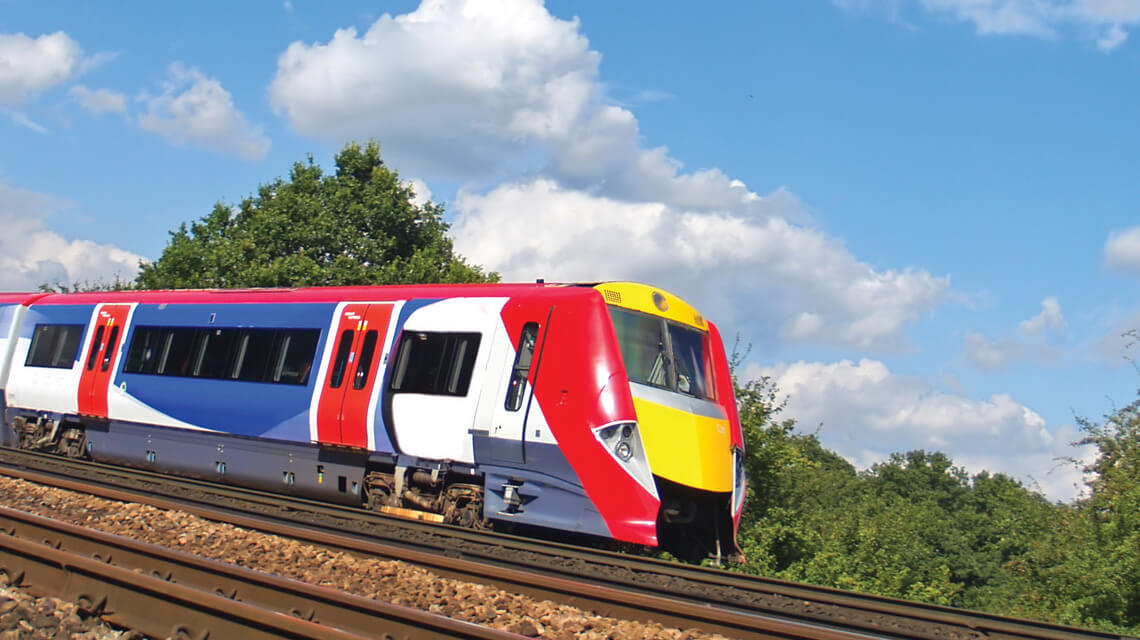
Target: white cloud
{"x":990,"y":355}
{"x":452,"y":86}
{"x":1033,"y":341}
{"x":30,"y":66}
{"x":422,"y":192}
{"x":31,"y":255}
{"x":868,"y":412}
{"x":99,"y":101}
{"x":1105,"y":20}
{"x":758,"y":271}
{"x":1113,"y":37}
{"x":1122,"y":251}
{"x":1000,"y":17}
{"x":195,"y":109}
{"x":1119,"y":341}
{"x":1050,"y":319}
{"x":24,"y":121}
{"x":485,"y":90}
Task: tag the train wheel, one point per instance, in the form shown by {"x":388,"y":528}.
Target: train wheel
{"x":377,"y":491}
{"x":73,"y":443}
{"x":464,"y":506}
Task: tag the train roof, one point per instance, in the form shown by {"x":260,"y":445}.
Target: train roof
{"x":309,"y":294}
{"x":20,"y":298}
{"x":631,"y":295}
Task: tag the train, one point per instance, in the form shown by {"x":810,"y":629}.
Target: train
{"x":598,"y":411}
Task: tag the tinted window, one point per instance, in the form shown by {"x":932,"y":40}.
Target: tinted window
{"x":435,"y":363}
{"x":662,"y":353}
{"x":145,"y":351}
{"x":641,"y":339}
{"x":521,"y":369}
{"x":112,"y":342}
{"x":253,"y":355}
{"x":54,"y":345}
{"x":215,"y":353}
{"x":295,"y":356}
{"x":690,"y":355}
{"x":179,"y":357}
{"x":366,"y":353}
{"x":95,"y":347}
{"x":343,"y":350}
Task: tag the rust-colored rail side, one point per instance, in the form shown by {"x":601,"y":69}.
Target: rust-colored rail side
{"x":166,"y":593}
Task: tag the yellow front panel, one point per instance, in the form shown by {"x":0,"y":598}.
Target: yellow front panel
{"x":682,"y":447}
{"x":651,"y":300}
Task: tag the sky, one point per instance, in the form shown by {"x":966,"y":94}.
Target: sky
{"x":919,"y":218}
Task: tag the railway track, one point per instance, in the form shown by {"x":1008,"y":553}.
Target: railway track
{"x":615,"y":585}
{"x":165,"y":593}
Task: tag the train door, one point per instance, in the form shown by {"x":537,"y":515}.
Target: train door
{"x":508,"y":433}
{"x":98,"y":363}
{"x":354,"y":360}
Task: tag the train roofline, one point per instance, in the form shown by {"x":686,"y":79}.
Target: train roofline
{"x":302,"y":294}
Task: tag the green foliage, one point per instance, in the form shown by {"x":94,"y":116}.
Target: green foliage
{"x":357,"y":226}
{"x":1089,"y":571}
{"x":914,"y":527}
{"x":790,"y":477}
{"x":88,"y":285}
{"x":918,"y":527}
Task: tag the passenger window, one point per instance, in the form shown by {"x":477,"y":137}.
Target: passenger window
{"x":109,"y":353}
{"x":54,"y":345}
{"x":296,"y":356}
{"x":179,"y":353}
{"x":249,"y":355}
{"x":215,"y":357}
{"x":239,"y":357}
{"x":365,"y":364}
{"x":144,"y":353}
{"x":254,"y":355}
{"x":341,"y":363}
{"x":520,"y":372}
{"x":435,"y":363}
{"x":95,"y":347}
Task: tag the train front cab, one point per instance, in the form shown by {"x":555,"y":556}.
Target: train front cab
{"x":687,"y":419}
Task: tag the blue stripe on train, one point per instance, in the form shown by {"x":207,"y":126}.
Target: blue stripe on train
{"x":259,"y":409}
{"x":55,"y":314}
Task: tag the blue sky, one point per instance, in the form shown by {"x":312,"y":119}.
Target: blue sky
{"x":922,"y":215}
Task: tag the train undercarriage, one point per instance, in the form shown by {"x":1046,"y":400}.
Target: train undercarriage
{"x":692,"y":525}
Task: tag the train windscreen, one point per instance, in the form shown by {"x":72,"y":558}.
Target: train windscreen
{"x":663,"y":354}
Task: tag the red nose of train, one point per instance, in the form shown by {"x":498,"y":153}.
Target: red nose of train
{"x":687,"y":422}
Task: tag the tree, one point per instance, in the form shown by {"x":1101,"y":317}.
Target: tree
{"x":99,"y":284}
{"x":1090,"y":572}
{"x":790,"y":476}
{"x":357,"y":226}
{"x":915,"y":526}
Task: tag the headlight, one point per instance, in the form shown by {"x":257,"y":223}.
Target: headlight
{"x":623,"y":441}
{"x":624,"y":451}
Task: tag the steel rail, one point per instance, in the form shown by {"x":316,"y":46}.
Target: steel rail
{"x":166,"y":593}
{"x":616,"y":585}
